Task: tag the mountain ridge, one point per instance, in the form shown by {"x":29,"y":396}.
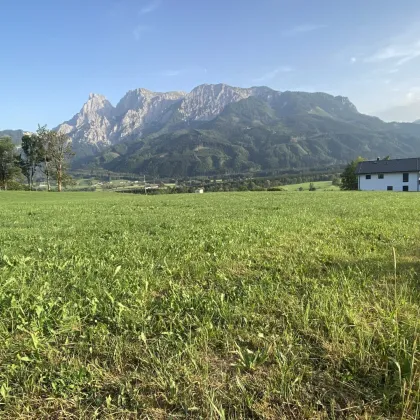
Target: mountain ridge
{"x":266,"y":131}
{"x":141,"y":112}
{"x":217,"y":128}
{"x":100,"y":124}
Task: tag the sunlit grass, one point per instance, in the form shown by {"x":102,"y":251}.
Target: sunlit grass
{"x":238,"y":305}
{"x":319,"y":185}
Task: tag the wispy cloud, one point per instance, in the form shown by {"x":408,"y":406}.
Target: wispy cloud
{"x":303,"y":29}
{"x":353,"y":60}
{"x":383,"y":71}
{"x":139,"y":31}
{"x":150,"y":7}
{"x":270,"y":75}
{"x":399,"y":54}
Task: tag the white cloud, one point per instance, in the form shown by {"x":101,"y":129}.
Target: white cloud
{"x":398,"y":53}
{"x":149,"y":8}
{"x":272,"y":74}
{"x":353,"y":60}
{"x":139,"y":31}
{"x":302,"y":29}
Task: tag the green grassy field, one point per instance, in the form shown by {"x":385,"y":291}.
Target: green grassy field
{"x":319,"y":185}
{"x":238,"y":305}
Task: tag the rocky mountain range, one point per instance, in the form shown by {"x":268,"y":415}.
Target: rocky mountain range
{"x":140,"y":112}
{"x":100,"y":124}
{"x":218,"y":129}
{"x":221,"y":129}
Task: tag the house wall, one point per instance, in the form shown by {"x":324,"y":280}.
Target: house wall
{"x":394,"y":180}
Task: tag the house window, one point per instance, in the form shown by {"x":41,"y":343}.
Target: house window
{"x":380,"y":176}
{"x":389,"y":187}
{"x":405,"y":177}
{"x":405,"y":187}
{"x":368,"y":176}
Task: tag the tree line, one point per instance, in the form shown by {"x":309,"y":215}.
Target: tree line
{"x":46,"y":151}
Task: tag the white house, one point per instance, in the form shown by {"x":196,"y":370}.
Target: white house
{"x":389,"y":175}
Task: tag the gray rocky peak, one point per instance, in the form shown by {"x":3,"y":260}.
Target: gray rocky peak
{"x":141,"y":107}
{"x":92,"y":125}
{"x":205,"y":102}
{"x":96,"y":104}
{"x":138,"y":98}
{"x":99,"y":124}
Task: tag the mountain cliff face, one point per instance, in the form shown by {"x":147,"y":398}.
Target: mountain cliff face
{"x":140,"y":108}
{"x":93,"y":124}
{"x":140,"y":111}
{"x":99,"y":124}
{"x":205,"y":102}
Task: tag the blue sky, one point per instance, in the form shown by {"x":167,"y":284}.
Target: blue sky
{"x":54,"y":53}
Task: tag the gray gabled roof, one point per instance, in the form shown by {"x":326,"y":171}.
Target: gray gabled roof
{"x":388,"y":166}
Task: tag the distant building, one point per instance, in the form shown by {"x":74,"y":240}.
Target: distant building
{"x":152,"y":187}
{"x":389,"y":175}
{"x":199,"y":191}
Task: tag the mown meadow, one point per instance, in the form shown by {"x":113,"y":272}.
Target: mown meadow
{"x":271,"y":305}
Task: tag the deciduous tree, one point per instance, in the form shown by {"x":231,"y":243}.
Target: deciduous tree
{"x":8,"y":161}
{"x":57,"y":152}
{"x":32,"y":156}
{"x":45,"y":167}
